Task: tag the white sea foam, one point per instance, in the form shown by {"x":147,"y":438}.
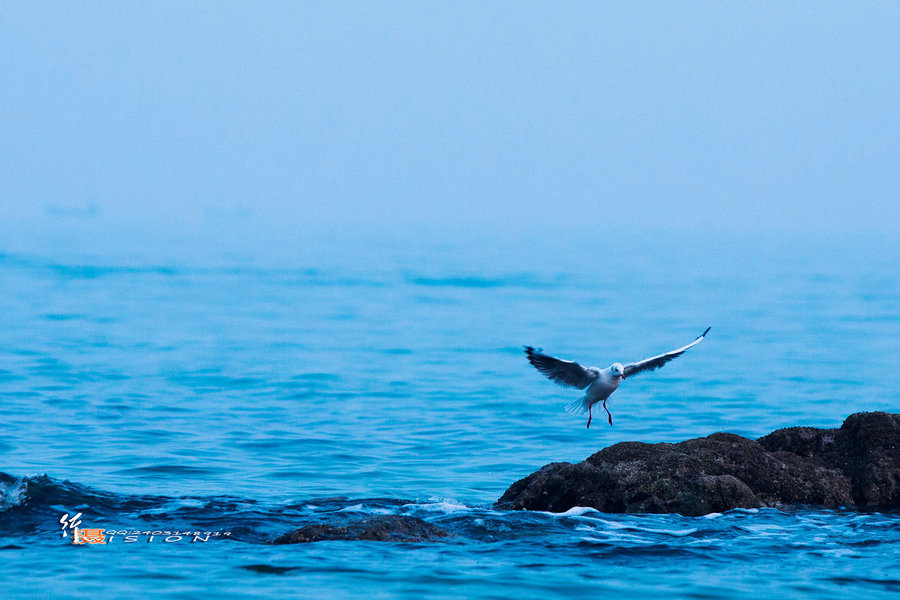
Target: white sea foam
{"x":442,"y":505}
{"x":578,"y":511}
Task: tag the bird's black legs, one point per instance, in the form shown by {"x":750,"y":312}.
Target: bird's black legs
{"x":607,"y":412}
{"x":590,"y":415}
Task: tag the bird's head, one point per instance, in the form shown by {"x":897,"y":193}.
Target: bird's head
{"x":617,"y":370}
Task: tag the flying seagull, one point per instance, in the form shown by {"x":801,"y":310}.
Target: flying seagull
{"x":600,"y":383}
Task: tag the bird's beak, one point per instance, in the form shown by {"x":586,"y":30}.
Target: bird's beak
{"x":622,"y":376}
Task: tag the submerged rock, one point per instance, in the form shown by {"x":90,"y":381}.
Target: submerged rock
{"x":381,"y":528}
{"x":857,"y":465}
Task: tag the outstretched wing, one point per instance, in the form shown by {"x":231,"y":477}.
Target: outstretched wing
{"x":655,"y":362}
{"x":563,"y":372}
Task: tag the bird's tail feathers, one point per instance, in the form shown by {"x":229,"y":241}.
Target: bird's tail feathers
{"x":579,"y":407}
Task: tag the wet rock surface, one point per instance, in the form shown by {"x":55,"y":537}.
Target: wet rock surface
{"x":381,"y":528}
{"x":857,"y":465}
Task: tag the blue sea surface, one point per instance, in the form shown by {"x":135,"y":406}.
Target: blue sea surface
{"x":247,"y":393}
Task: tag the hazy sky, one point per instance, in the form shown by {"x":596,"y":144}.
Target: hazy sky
{"x":511,"y":115}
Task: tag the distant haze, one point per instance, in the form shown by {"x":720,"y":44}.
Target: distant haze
{"x":507,"y":116}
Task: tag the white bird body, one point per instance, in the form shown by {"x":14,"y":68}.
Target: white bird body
{"x":601,"y":389}
{"x":599,"y":384}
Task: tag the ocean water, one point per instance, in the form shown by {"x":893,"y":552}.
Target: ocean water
{"x":249,"y":392}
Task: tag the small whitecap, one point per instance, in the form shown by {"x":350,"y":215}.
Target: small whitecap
{"x":379,"y":511}
{"x":577,"y":511}
{"x":712,"y":516}
{"x":444,"y":505}
{"x":764,"y":528}
{"x":160,"y":510}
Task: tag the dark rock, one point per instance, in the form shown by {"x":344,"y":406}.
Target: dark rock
{"x":381,"y":528}
{"x":857,"y":465}
{"x":867,"y":449}
{"x":802,"y":441}
{"x":559,"y":486}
